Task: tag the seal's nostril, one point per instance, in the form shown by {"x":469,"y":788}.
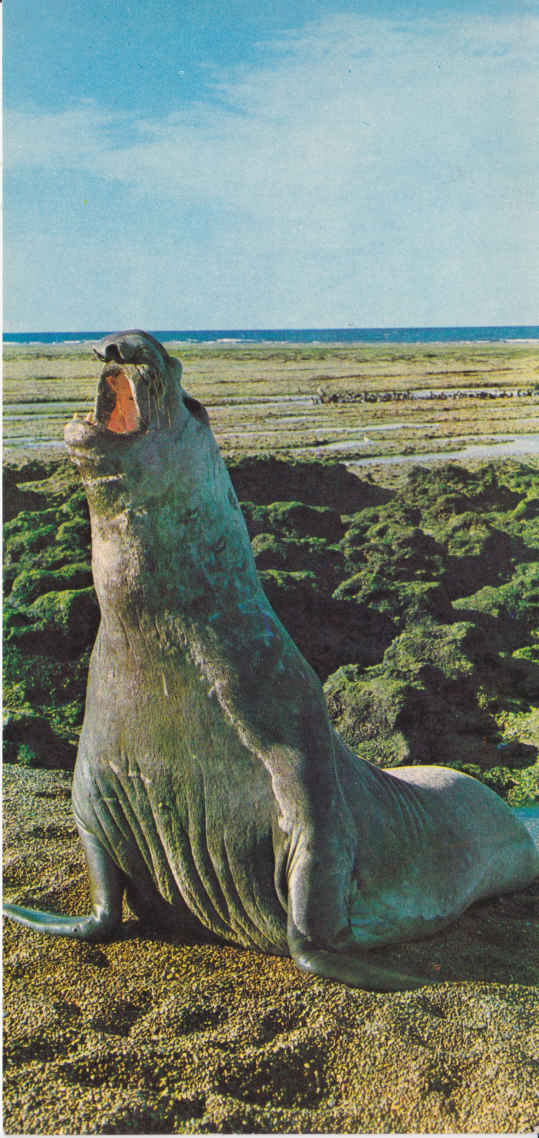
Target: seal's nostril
{"x":112,"y":353}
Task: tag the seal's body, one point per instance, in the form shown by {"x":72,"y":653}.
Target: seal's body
{"x":209,"y":781}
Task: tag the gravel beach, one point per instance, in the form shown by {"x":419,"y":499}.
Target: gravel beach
{"x":149,"y":1036}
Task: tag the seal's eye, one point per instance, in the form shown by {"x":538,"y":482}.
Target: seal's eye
{"x":117,"y":408}
{"x":196,"y":409}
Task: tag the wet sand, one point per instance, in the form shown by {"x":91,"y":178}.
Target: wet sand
{"x":150,"y":1036}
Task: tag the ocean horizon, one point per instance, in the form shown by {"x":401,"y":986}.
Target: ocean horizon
{"x":402,"y":335}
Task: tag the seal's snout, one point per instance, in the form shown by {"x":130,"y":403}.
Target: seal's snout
{"x":110,"y":352}
{"x":131,"y":347}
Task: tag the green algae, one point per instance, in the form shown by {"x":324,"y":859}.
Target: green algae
{"x":416,"y":604}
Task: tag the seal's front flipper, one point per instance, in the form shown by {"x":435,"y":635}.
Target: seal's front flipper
{"x":92,"y":927}
{"x":106,"y":890}
{"x":358,"y":971}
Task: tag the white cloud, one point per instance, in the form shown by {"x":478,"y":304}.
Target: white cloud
{"x":368,"y":150}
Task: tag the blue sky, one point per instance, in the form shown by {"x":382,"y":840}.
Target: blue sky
{"x":182,"y":165}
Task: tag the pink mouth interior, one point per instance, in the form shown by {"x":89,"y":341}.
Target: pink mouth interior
{"x":124,"y":416}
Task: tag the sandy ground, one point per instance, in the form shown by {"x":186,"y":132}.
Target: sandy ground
{"x":146,"y":1036}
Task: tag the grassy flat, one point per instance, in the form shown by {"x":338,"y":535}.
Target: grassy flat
{"x":351,"y":402}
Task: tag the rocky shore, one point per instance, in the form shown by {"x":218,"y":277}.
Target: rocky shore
{"x":148,"y":1036}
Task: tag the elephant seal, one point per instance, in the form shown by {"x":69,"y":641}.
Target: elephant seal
{"x":209,"y":783}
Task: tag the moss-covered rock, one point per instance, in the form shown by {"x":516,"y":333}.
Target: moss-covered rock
{"x":445,"y":647}
{"x":30,"y":739}
{"x":265,"y":479}
{"x":313,"y":556}
{"x":401,"y":601}
{"x":366,"y":713}
{"x":419,"y":603}
{"x":62,"y":620}
{"x":514,"y":603}
{"x":451,"y":489}
{"x":30,"y":584}
{"x":425,"y":704}
{"x":293,"y":519}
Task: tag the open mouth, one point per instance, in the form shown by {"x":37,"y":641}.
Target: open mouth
{"x":117,"y":409}
{"x":117,"y":412}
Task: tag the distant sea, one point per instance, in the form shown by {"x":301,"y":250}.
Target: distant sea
{"x":472,"y":334}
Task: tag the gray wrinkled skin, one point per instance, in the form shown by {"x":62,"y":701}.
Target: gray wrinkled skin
{"x":209,"y":782}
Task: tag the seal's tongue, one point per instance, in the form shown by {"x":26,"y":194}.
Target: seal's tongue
{"x":116,"y":407}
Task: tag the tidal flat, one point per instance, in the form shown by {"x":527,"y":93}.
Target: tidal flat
{"x":411,"y":585}
{"x":357,"y":402}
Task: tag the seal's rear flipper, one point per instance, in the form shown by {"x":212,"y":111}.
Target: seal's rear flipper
{"x":358,"y":971}
{"x":106,"y":891}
